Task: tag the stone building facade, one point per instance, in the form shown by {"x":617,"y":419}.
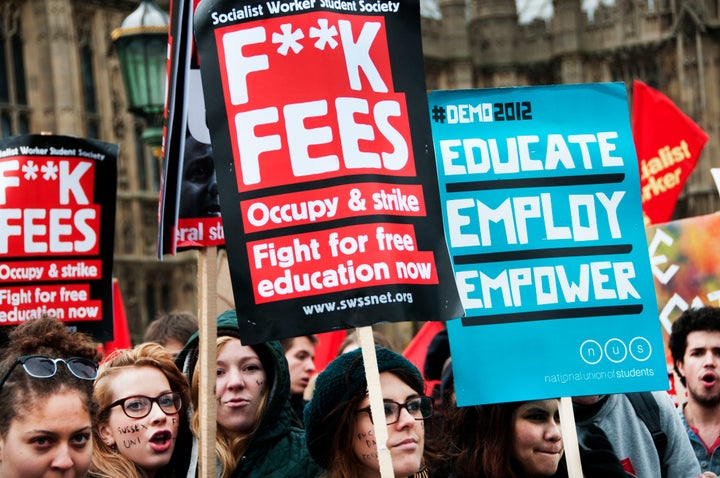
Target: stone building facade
{"x":59,"y":73}
{"x":672,"y":45}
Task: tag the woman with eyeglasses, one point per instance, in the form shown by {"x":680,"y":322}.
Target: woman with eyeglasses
{"x":339,"y":427}
{"x":141,"y":396}
{"x":255,"y":436}
{"x":46,"y":411}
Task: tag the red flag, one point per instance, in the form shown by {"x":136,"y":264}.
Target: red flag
{"x":121,"y":331}
{"x":668,"y":145}
{"x":327,"y":348}
{"x":416,"y":350}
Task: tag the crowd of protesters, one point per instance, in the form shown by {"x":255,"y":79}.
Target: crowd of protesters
{"x":65,"y":412}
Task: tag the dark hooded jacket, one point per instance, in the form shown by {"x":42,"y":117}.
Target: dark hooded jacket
{"x":277,"y":449}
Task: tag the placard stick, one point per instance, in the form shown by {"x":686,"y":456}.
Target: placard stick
{"x":570,"y":439}
{"x":207,"y":315}
{"x":372,"y":375}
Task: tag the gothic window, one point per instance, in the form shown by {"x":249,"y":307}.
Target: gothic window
{"x":87,"y":73}
{"x":157,"y":294}
{"x":629,"y":15}
{"x":14,"y":110}
{"x":638,"y":64}
{"x":148,"y":167}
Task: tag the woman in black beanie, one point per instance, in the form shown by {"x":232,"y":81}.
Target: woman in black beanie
{"x":338,"y":426}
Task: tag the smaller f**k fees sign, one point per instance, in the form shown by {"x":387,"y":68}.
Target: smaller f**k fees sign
{"x":57,"y":213}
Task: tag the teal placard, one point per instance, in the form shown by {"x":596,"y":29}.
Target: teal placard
{"x":540,"y":195}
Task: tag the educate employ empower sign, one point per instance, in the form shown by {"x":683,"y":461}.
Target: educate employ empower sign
{"x":324,"y":158}
{"x":541,"y":200}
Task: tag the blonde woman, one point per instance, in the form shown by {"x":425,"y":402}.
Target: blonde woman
{"x":142,"y":397}
{"x":255,"y":438}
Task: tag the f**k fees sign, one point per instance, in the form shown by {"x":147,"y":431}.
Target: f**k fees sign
{"x":56,"y":229}
{"x":330,"y":185}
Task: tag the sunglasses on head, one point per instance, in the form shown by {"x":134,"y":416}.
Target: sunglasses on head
{"x":40,"y":366}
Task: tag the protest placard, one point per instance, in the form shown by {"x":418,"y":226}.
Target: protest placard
{"x":189,"y":203}
{"x":668,"y":145}
{"x":322,"y":147}
{"x":685,"y":265}
{"x":686,"y":269}
{"x":541,"y":200}
{"x":57,"y":223}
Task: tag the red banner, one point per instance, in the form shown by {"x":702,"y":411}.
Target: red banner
{"x":668,"y":145}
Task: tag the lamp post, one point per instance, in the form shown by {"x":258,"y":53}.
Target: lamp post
{"x":141,"y":44}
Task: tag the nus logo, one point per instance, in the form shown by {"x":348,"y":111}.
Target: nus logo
{"x":482,"y":112}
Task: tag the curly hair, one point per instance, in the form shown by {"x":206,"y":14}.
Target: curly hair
{"x":107,"y":462}
{"x":692,"y":320}
{"x":47,"y":336}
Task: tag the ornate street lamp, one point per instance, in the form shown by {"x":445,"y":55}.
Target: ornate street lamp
{"x":141,"y":44}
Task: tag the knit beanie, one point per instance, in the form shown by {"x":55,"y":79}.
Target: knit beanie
{"x":342,"y":380}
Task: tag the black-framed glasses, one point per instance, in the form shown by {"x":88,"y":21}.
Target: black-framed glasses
{"x":419,"y":408}
{"x":139,"y":406}
{"x":40,"y":366}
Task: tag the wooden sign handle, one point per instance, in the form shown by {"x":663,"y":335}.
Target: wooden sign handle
{"x":570,"y":438}
{"x":367,"y":344}
{"x":207,"y":320}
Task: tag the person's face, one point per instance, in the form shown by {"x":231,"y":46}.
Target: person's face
{"x":239,"y":387}
{"x":701,"y":367}
{"x":537,"y":442}
{"x":198,"y":191}
{"x":301,"y":363}
{"x":53,"y":439}
{"x":406,"y":437}
{"x":149,"y":441}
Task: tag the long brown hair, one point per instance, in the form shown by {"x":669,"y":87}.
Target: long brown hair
{"x":481,"y":441}
{"x":344,"y":463}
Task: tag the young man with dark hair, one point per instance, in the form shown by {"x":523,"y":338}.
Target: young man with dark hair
{"x":172,"y":330}
{"x":695,"y":348}
{"x":300,"y":356}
